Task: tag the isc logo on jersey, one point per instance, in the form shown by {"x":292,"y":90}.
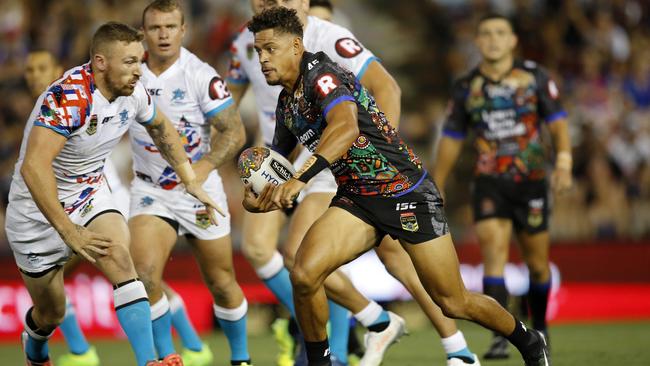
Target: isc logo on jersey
{"x":348,"y":47}
{"x":326,"y":83}
{"x":218,"y":88}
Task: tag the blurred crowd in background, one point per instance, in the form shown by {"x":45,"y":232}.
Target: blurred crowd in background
{"x":597,"y":51}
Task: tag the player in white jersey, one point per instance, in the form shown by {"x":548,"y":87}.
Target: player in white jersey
{"x":196,"y":99}
{"x":41,"y":69}
{"x":342,"y":47}
{"x":59,"y":203}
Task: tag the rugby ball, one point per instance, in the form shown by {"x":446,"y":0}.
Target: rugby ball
{"x":260,"y":165}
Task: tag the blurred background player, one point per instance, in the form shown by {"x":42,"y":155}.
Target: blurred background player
{"x":505,"y":102}
{"x":383,"y":190}
{"x":59,"y":203}
{"x":193,"y":95}
{"x":41,"y":69}
{"x":322,"y":9}
{"x":343,"y":48}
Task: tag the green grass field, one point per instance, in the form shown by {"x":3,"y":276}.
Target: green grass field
{"x":614,"y":344}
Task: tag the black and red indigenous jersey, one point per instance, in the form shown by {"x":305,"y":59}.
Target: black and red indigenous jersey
{"x":506,"y":116}
{"x":378,"y":162}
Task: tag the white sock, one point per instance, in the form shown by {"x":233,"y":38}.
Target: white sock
{"x":160,"y":308}
{"x":231,"y":314}
{"x":271,"y":268}
{"x":454,"y":343}
{"x":369,"y":314}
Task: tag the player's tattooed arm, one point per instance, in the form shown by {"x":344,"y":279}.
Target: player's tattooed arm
{"x":229,"y":137}
{"x":167,"y":140}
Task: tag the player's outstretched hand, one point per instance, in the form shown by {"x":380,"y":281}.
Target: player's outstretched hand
{"x":561,"y":180}
{"x":194,"y":188}
{"x":85,"y":242}
{"x":259,"y":203}
{"x":285,"y":194}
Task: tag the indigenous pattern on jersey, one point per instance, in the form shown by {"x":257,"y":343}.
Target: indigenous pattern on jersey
{"x":74,"y":108}
{"x":378,"y":162}
{"x":188,"y":93}
{"x":319,"y":35}
{"x":506,"y":117}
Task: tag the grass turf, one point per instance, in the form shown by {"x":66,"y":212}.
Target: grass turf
{"x":611,"y":344}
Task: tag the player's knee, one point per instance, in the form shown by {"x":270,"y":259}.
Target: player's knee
{"x":256,"y":253}
{"x":289,"y":260}
{"x":121,"y":258}
{"x":303,"y":281}
{"x":221,"y":283}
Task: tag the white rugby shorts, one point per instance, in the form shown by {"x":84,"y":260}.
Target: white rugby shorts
{"x":36,"y":244}
{"x":179,"y":206}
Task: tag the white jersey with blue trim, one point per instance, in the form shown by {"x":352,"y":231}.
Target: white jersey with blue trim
{"x":337,"y":42}
{"x":74,"y":108}
{"x":189,"y":92}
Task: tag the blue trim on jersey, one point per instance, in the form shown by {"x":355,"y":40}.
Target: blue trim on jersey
{"x":148,"y":122}
{"x":220,"y":108}
{"x":555,"y":116}
{"x":237,"y":81}
{"x":60,"y":132}
{"x":365,"y":66}
{"x":456,"y":135}
{"x":341,"y":99}
{"x":414,"y":187}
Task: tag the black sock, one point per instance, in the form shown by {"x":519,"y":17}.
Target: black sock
{"x":294,"y":330}
{"x":538,"y":302}
{"x":318,"y":353}
{"x":379,"y":327}
{"x":522,"y":338}
{"x":495,"y":287}
{"x":237,"y":363}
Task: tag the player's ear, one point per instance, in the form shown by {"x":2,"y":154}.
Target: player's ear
{"x":100,"y":61}
{"x":297,"y":45}
{"x":515,"y":40}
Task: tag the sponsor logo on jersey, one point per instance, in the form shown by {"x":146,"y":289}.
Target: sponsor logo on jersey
{"x":92,"y":126}
{"x":124,"y":116}
{"x":107,"y":119}
{"x":178,"y":95}
{"x":403,"y":206}
{"x":203,"y":219}
{"x":348,"y":47}
{"x":326,"y":83}
{"x":154,"y":92}
{"x":280,"y":169}
{"x":409,"y":221}
{"x":218,"y":89}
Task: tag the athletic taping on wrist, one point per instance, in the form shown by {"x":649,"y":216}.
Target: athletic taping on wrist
{"x":314,"y":165}
{"x":564,"y":160}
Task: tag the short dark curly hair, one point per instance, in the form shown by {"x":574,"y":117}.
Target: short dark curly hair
{"x":283,"y":19}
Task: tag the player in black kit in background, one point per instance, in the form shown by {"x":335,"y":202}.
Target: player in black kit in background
{"x":383,"y":189}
